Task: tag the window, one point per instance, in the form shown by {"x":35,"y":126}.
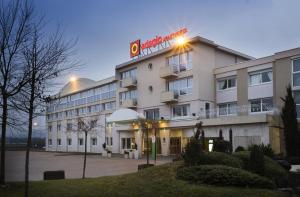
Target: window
{"x":69,"y":125}
{"x":226,"y":83}
{"x":94,"y":141}
{"x":261,"y":105}
{"x":69,"y":141}
{"x":59,"y":142}
{"x":93,"y":123}
{"x":109,"y":105}
{"x":58,"y":126}
{"x":80,"y":124}
{"x":127,"y":143}
{"x":181,"y":62}
{"x":152,"y":114}
{"x":80,"y":141}
{"x":297,"y":101}
{"x":128,"y":95}
{"x":181,"y":86}
{"x":296,"y":72}
{"x":50,"y":142}
{"x":129,"y":73}
{"x":49,"y":128}
{"x":109,"y":141}
{"x":226,"y":109}
{"x":261,"y":77}
{"x":180,"y":110}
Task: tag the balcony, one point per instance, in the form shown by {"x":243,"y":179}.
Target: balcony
{"x":168,"y":97}
{"x":168,"y":72}
{"x":129,"y":103}
{"x":129,"y":82}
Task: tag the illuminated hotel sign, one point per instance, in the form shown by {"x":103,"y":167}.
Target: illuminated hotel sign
{"x":137,"y":48}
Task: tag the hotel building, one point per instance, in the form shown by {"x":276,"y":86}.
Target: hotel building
{"x":180,"y":86}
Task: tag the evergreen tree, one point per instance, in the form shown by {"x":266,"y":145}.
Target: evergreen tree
{"x":290,"y":123}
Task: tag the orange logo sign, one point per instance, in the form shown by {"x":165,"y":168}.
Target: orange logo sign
{"x":135,"y":48}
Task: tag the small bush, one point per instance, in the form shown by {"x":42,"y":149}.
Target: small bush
{"x":143,"y":166}
{"x":193,"y":152}
{"x":256,"y":162}
{"x":222,"y":176}
{"x":217,"y":158}
{"x":265,"y":149}
{"x":272,"y":169}
{"x":222,"y":146}
{"x":239,"y":149}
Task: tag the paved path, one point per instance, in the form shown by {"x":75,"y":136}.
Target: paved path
{"x":71,"y":163}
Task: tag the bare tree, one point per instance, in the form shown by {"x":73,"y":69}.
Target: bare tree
{"x":86,"y":126}
{"x":15,"y":19}
{"x":46,"y":59}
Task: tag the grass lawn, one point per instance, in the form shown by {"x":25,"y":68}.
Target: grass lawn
{"x":155,"y":181}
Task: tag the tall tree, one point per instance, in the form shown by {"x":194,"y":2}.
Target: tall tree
{"x":15,"y":19}
{"x":45,"y":59}
{"x":290,"y":123}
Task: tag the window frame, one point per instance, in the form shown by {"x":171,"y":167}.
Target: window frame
{"x":181,"y":111}
{"x":261,"y":105}
{"x":294,"y":72}
{"x":226,"y":79}
{"x":260,"y":72}
{"x":227,"y":109}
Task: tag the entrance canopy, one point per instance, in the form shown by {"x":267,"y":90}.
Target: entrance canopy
{"x":124,"y":115}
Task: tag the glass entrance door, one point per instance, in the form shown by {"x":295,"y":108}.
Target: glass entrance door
{"x":175,"y":145}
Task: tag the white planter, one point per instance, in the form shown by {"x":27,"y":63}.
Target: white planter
{"x":109,"y":155}
{"x":130,"y":154}
{"x":136,"y":154}
{"x":126,"y":156}
{"x":104,"y":153}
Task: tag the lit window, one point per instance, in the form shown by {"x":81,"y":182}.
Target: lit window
{"x":261,"y":77}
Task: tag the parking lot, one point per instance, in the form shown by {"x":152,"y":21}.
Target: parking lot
{"x":72,"y":164}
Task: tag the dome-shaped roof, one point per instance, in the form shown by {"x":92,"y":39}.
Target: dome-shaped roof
{"x":124,"y":115}
{"x":77,"y":85}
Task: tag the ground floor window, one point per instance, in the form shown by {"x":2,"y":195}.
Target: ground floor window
{"x":50,"y":142}
{"x":80,"y":141}
{"x":226,"y":109}
{"x":59,"y":142}
{"x":261,"y":105}
{"x":127,"y":143}
{"x":94,"y":141}
{"x":69,"y":141}
{"x":109,"y":141}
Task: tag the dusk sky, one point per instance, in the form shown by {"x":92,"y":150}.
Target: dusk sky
{"x":105,"y":28}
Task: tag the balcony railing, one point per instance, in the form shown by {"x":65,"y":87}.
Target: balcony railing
{"x":128,"y":103}
{"x":129,"y":82}
{"x":169,"y":97}
{"x":167,"y":72}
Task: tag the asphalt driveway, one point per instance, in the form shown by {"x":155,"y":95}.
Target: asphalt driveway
{"x":71,"y":163}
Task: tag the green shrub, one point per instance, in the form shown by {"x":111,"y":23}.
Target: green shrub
{"x":221,"y":145}
{"x":193,"y":152}
{"x":222,"y":176}
{"x":266,"y":149}
{"x":217,"y":158}
{"x":272,"y":169}
{"x":256,"y":162}
{"x":239,"y":148}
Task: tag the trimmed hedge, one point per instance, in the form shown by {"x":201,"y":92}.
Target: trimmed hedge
{"x":272,"y":169}
{"x":218,"y":158}
{"x":223,"y":176}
